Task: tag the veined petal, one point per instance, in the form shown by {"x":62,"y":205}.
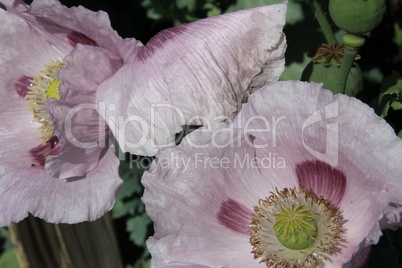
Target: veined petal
{"x":359,"y":258}
{"x":347,"y":134}
{"x":32,"y":37}
{"x":65,"y":27}
{"x":31,"y":190}
{"x":313,"y":116}
{"x":187,"y":189}
{"x":25,"y":60}
{"x":191,"y":74}
{"x":16,"y":121}
{"x":292,"y":120}
{"x":76,"y":122}
{"x":45,"y":31}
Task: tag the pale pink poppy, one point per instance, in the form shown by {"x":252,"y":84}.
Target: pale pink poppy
{"x":300,"y":178}
{"x":55,"y":160}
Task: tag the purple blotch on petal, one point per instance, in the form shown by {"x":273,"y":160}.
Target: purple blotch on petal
{"x":160,"y":39}
{"x":22,"y":85}
{"x":75,"y":38}
{"x":40,"y":152}
{"x":235,"y":216}
{"x":323,"y":179}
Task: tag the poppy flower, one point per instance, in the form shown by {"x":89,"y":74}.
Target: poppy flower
{"x":55,"y":160}
{"x":300,"y":178}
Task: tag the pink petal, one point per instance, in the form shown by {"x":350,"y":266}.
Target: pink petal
{"x":25,"y":187}
{"x":35,"y":34}
{"x":235,"y":216}
{"x":190,"y":199}
{"x":76,"y":122}
{"x":289,"y":115}
{"x":23,"y":49}
{"x":64,"y":27}
{"x":359,"y":258}
{"x":186,"y":202}
{"x":31,"y":190}
{"x":323,"y":179}
{"x":201,"y":69}
{"x":368,"y":151}
{"x":31,"y":37}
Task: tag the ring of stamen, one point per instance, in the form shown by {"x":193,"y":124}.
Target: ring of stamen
{"x":45,"y":86}
{"x":295,"y":229}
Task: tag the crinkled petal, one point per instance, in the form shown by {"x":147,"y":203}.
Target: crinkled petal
{"x":392,"y":217}
{"x":76,"y":122}
{"x":359,"y":258}
{"x":293,"y":121}
{"x":31,"y":190}
{"x":187,"y":189}
{"x":65,"y":27}
{"x":18,"y":132}
{"x":347,"y":134}
{"x":24,"y":50}
{"x":33,"y":36}
{"x":16,"y":123}
{"x":365,"y":147}
{"x":16,"y":143}
{"x":193,"y":73}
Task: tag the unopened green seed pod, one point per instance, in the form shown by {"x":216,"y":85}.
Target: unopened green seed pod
{"x":357,"y":16}
{"x":317,"y":72}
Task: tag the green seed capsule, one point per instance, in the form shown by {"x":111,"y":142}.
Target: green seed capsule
{"x":295,"y":227}
{"x":357,"y":16}
{"x":317,"y":72}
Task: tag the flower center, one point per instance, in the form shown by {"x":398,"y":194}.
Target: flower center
{"x":295,"y":228}
{"x":45,"y":86}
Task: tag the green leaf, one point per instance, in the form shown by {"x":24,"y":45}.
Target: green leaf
{"x":131,"y":207}
{"x":396,"y":105}
{"x":3,"y":232}
{"x":294,"y":13}
{"x":189,"y":4}
{"x":299,"y":24}
{"x":212,"y":10}
{"x":128,"y":197}
{"x":245,"y":4}
{"x":132,"y":184}
{"x":9,"y":259}
{"x":4,"y":236}
{"x":294,"y":69}
{"x":142,"y":263}
{"x":398,"y":34}
{"x":138,"y":228}
{"x":391,"y":94}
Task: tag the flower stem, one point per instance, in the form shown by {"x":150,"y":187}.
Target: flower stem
{"x":343,"y":71}
{"x":322,"y":20}
{"x":352,"y":44}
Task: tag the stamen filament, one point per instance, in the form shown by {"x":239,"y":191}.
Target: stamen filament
{"x":45,"y":86}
